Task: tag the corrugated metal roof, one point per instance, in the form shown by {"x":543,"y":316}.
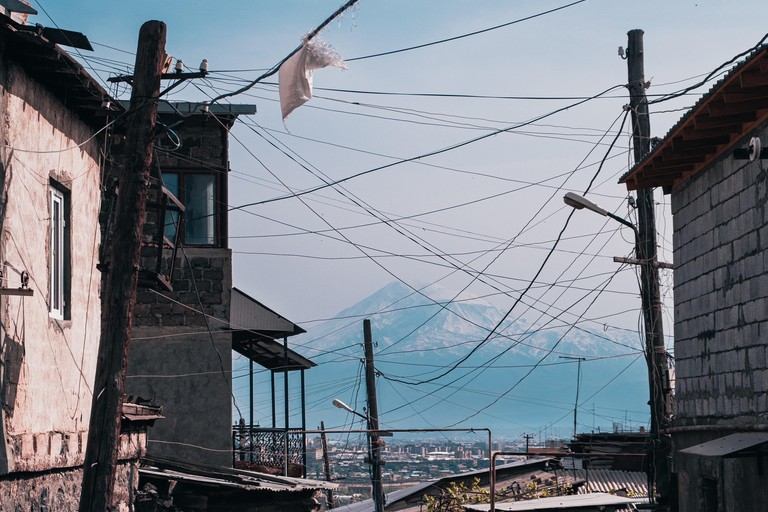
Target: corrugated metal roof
{"x":704,"y":132}
{"x":595,"y":499}
{"x":172,"y":469}
{"x":606,"y":480}
{"x":249,"y":314}
{"x":502,"y":472}
{"x":728,"y":445}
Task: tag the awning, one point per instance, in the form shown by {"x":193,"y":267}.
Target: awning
{"x":255,"y":329}
{"x":735,"y":445}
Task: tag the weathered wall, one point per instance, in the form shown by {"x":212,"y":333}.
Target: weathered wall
{"x":48,"y":365}
{"x":176,"y":362}
{"x":721,"y":324}
{"x":721,"y":293}
{"x":59,"y":490}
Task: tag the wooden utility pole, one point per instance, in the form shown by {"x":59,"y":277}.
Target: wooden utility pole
{"x":326,"y":463}
{"x":656,"y":354}
{"x":373,"y":420}
{"x":528,"y":438}
{"x":104,"y":430}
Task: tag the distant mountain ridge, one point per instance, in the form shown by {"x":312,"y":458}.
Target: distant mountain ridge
{"x":418,"y":340}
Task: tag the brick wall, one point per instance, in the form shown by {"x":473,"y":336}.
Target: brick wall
{"x":721,"y":293}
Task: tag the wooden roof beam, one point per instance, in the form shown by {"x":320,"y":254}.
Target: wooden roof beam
{"x":693,"y":133}
{"x":660,"y":163}
{"x":727,"y":109}
{"x":678,"y":143}
{"x":749,"y":80}
{"x":739,"y":95}
{"x":705,"y":121}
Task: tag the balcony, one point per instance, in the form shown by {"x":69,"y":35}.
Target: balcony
{"x":267,"y":449}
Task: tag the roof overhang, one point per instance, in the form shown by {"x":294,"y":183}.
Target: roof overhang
{"x":55,"y":69}
{"x":743,"y":444}
{"x":255,"y":328}
{"x":735,"y":106}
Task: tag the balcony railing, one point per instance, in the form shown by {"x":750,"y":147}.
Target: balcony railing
{"x":265,"y":450}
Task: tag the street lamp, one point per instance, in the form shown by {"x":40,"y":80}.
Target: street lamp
{"x":373,"y":456}
{"x":654,"y":334}
{"x":579,"y":203}
{"x":341,"y":405}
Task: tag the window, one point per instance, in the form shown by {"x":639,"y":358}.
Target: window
{"x":58,"y":253}
{"x":199,"y":193}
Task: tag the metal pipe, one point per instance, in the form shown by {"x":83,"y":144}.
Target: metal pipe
{"x":287,"y":417}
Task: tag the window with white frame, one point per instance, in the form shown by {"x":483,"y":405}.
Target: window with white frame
{"x":58,"y":253}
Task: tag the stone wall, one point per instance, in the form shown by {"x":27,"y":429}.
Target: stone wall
{"x":59,"y":490}
{"x":48,"y":363}
{"x":178,"y":363}
{"x":721,"y":293}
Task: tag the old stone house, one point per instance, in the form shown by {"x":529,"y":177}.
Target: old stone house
{"x":50,"y":313}
{"x":719,"y":194}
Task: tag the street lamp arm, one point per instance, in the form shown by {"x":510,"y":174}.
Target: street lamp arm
{"x":341,"y":405}
{"x":580,"y":202}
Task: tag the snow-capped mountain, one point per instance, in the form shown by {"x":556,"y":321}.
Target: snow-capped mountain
{"x":437,"y":368}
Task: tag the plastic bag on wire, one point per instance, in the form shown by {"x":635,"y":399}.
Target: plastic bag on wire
{"x":295,"y":75}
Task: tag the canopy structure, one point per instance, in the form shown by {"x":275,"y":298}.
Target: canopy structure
{"x":255,"y":331}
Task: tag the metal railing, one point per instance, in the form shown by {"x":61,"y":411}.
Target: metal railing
{"x":270,"y":450}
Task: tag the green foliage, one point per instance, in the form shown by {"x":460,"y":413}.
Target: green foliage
{"x":456,"y":495}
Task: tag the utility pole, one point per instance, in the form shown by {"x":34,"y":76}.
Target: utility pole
{"x":373,"y":420}
{"x":528,"y":438}
{"x":656,"y":354}
{"x":104,"y":429}
{"x":326,"y":463}
{"x":578,"y":382}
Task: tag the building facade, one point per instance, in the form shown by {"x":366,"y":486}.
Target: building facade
{"x":50,"y":312}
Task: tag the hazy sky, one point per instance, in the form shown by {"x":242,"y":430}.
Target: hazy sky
{"x":309,"y":259}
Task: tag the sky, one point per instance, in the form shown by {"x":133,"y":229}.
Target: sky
{"x":494,"y":205}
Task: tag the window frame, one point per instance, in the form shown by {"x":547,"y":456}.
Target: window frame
{"x":219,"y":205}
{"x":59,"y":252}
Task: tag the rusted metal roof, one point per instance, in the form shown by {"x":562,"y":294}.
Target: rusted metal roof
{"x":729,"y":445}
{"x":607,"y":480}
{"x":177,"y":470}
{"x":732,"y":108}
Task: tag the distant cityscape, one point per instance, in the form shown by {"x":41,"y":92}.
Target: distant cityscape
{"x":407,"y":462}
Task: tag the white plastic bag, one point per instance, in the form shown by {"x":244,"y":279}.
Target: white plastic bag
{"x":295,"y":75}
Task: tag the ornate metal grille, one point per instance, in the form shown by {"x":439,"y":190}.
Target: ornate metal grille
{"x":266,"y":447}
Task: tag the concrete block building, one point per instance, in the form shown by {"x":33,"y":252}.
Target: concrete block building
{"x":713,"y":168}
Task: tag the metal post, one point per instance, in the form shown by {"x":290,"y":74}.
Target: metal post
{"x":287,"y":412}
{"x":250,"y":389}
{"x":274,"y":410}
{"x":303,"y":426}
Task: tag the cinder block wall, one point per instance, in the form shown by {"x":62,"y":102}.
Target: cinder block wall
{"x":721,"y":293}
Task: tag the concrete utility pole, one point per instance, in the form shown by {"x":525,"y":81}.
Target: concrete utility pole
{"x":104,"y":430}
{"x":656,"y":354}
{"x":373,"y":420}
{"x":326,"y":463}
